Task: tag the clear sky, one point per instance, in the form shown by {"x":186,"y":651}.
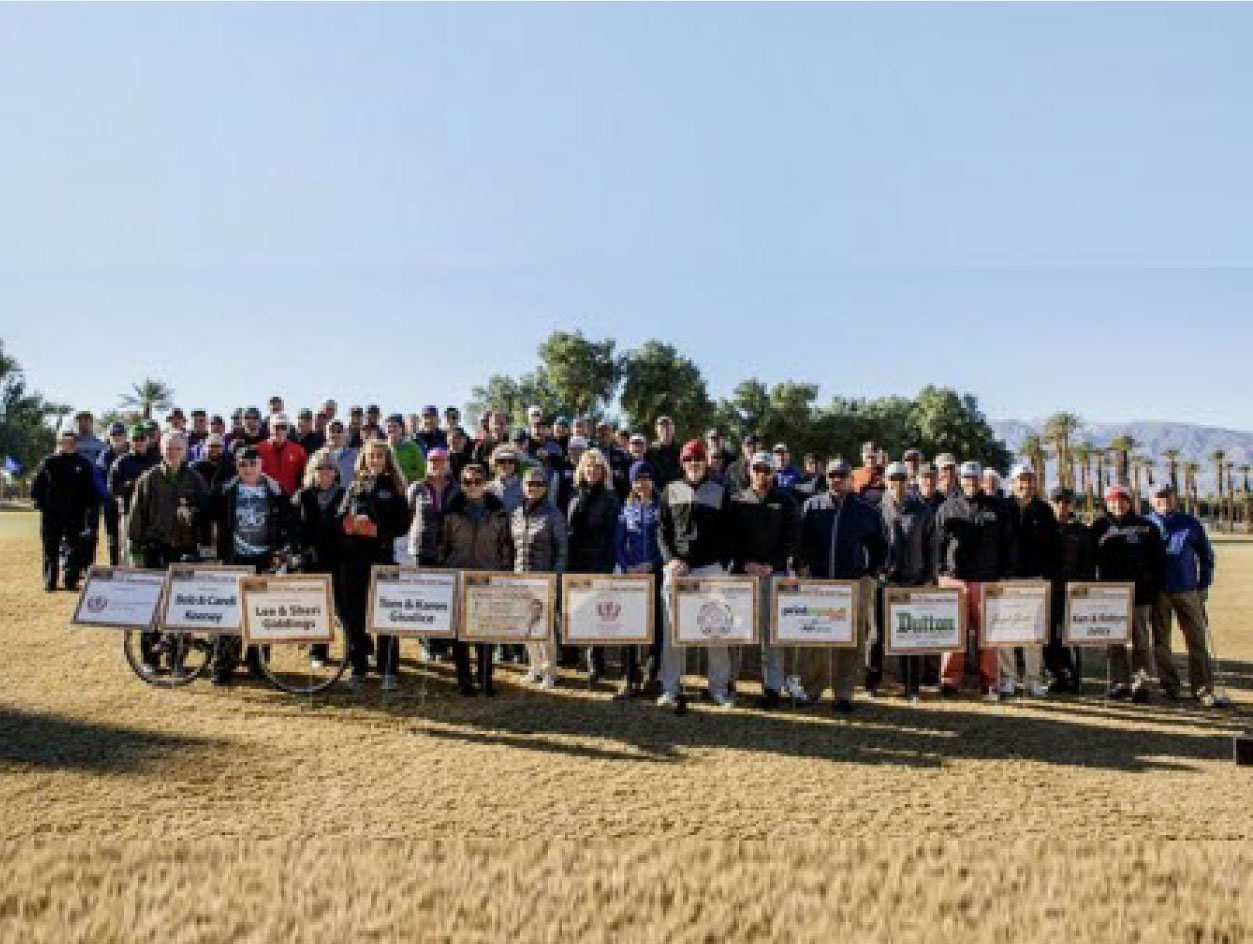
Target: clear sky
{"x":1046,"y":205}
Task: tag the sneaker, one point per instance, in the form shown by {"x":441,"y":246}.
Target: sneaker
{"x":548,"y":682}
{"x":1038,"y":690}
{"x":724,"y":699}
{"x":794,"y":689}
{"x":843,"y":707}
{"x":1061,"y":687}
{"x":1118,"y":692}
{"x":667,"y":700}
{"x":532,"y":677}
{"x":769,"y":699}
{"x":949,"y":691}
{"x":354,"y":683}
{"x":1170,"y":694}
{"x":221,"y":678}
{"x":872,"y":693}
{"x":1140,"y":695}
{"x":914,"y":698}
{"x":991,"y":694}
{"x":1007,"y":687}
{"x":389,"y":683}
{"x":317,"y":662}
{"x":466,"y":691}
{"x":1210,"y":700}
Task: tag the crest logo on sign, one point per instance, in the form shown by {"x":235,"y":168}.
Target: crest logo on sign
{"x":608,"y":610}
{"x":97,"y":604}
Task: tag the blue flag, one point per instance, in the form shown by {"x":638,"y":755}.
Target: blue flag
{"x":11,"y":466}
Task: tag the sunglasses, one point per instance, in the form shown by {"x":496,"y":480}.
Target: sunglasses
{"x":534,"y":484}
{"x":837,"y":475}
{"x":473,"y":483}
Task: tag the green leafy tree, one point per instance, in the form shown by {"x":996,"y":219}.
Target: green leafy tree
{"x":581,"y":375}
{"x":658,"y":381}
{"x":26,"y":433}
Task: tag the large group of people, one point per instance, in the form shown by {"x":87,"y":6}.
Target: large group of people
{"x":338,"y":495}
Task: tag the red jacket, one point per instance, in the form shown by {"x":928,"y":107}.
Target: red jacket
{"x":286,"y":467}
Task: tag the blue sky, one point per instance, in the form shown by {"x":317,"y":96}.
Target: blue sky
{"x":1045,"y":205}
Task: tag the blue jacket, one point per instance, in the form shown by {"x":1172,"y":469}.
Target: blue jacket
{"x":635,"y":537}
{"x":843,"y":543}
{"x":1189,"y":557}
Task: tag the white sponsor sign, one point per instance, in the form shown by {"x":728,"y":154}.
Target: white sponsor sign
{"x":406,"y":601}
{"x":203,"y":598}
{"x":814,"y":612}
{"x":503,"y":607}
{"x":290,"y":608}
{"x":925,"y":620}
{"x":1015,"y":614}
{"x":119,"y":598}
{"x":607,"y":609}
{"x":1098,"y":614}
{"x":715,"y":611}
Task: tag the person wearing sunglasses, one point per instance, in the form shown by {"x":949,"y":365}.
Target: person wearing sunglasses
{"x":540,"y":545}
{"x":593,"y":516}
{"x":318,"y":531}
{"x":694,"y":539}
{"x":507,"y":485}
{"x":475,"y":535}
{"x":842,"y":538}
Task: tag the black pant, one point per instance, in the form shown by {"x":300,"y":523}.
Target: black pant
{"x":226,"y":649}
{"x":354,"y":587}
{"x":875,"y":648}
{"x":461,"y":657}
{"x":651,"y":652}
{"x":62,"y":537}
{"x":155,"y":557}
{"x":112,"y":525}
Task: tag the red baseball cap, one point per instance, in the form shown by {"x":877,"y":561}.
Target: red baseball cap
{"x":693,"y":449}
{"x":1117,"y":490}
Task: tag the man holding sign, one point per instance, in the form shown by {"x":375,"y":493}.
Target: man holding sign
{"x":1129,"y":549}
{"x":913,"y":554}
{"x":765,"y":532}
{"x":842,"y":539}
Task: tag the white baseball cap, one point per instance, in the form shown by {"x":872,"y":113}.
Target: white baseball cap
{"x":970,"y":470}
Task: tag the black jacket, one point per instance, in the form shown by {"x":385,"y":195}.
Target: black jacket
{"x":124,"y":475}
{"x":841,"y":540}
{"x":1035,"y":533}
{"x":1076,"y":561}
{"x":1130,"y":550}
{"x":64,"y":488}
{"x":593,"y":516}
{"x":318,"y":528}
{"x":739,"y":475}
{"x":765,"y":529}
{"x":280,"y":520}
{"x":483,"y":543}
{"x":913,"y":541}
{"x":976,"y":537}
{"x":382,"y":503}
{"x":666,"y":465}
{"x":694,"y":523}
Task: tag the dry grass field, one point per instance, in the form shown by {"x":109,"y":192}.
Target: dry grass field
{"x":131,"y":814}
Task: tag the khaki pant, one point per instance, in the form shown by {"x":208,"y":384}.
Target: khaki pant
{"x":843,"y":667}
{"x":674,"y":658}
{"x":1192,"y":620}
{"x":1139,"y":662}
{"x":1033,"y":661}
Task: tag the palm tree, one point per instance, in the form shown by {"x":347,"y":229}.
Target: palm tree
{"x":1121,"y":448}
{"x":1172,"y":465}
{"x":1033,"y":449}
{"x":1082,"y":452}
{"x":1231,"y":492}
{"x":1190,"y":469}
{"x":1059,"y":428}
{"x":147,"y":396}
{"x":1218,"y":456}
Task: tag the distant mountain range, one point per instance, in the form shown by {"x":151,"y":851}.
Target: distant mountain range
{"x":1193,"y":441}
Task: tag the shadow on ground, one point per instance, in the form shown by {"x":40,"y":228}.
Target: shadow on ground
{"x":1085,"y":731}
{"x":46,"y":741}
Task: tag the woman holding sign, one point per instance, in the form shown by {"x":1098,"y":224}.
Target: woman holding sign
{"x":539,"y":542}
{"x":593,"y":515}
{"x":318,"y":530}
{"x":636,"y":552}
{"x":372,"y":514}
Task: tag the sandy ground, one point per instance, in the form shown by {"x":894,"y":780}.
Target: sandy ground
{"x":131,"y":814}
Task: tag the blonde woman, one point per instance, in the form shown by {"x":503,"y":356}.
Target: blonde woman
{"x":593,"y":519}
{"x":372,"y":514}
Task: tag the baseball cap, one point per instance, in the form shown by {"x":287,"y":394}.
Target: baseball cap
{"x":430,"y":410}
{"x":1021,"y":469}
{"x":577,"y":442}
{"x":751,"y":439}
{"x":68,"y":430}
{"x":215,"y":439}
{"x":912,"y":454}
{"x":638,"y":438}
{"x":199,"y":412}
{"x":139,"y":430}
{"x":397,"y":419}
{"x":534,"y":412}
{"x":561,"y":421}
{"x":374,"y":409}
{"x":252,"y":411}
{"x":248,"y":454}
{"x":305,"y":414}
{"x":279,"y":419}
{"x":970,"y":470}
{"x":897,"y":470}
{"x":1163,"y":488}
{"x":692,"y":449}
{"x":520,"y":435}
{"x":925,"y":468}
{"x":781,"y":447}
{"x":1061,"y":493}
{"x":1117,"y":490}
{"x":178,"y":411}
{"x":117,"y":429}
{"x":838,"y":467}
{"x":868,"y":446}
{"x":439,"y":452}
{"x":641,"y":469}
{"x":535,"y":474}
{"x":762,"y":459}
{"x":664,"y":421}
{"x":945,"y":460}
{"x":506,"y":455}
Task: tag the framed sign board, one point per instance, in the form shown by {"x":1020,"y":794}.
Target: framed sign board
{"x":119,"y":598}
{"x":714,"y":611}
{"x":607,"y":609}
{"x":1015,"y":613}
{"x":923,"y":620}
{"x":202,"y":598}
{"x":506,"y":608}
{"x":1098,"y":614}
{"x":815,"y":613}
{"x":288,"y":608}
{"x":407,"y":601}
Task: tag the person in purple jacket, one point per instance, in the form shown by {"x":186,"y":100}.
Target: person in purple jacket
{"x":1184,"y":588}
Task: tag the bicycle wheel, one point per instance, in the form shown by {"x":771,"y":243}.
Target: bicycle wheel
{"x":304,"y":669}
{"x":167,"y":660}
